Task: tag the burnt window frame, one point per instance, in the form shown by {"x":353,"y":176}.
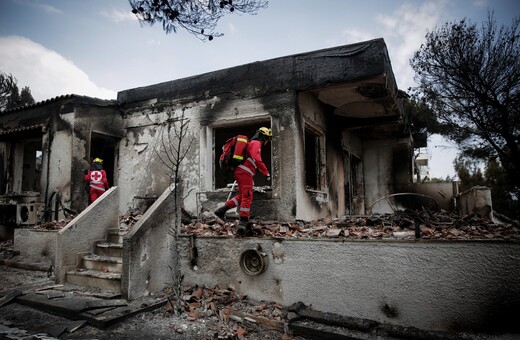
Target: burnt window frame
{"x":314,"y":158}
{"x":222,"y":178}
{"x":23,"y":170}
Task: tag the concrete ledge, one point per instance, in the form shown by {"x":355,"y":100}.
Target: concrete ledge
{"x":35,"y":243}
{"x":432,"y":285}
{"x":25,"y":265}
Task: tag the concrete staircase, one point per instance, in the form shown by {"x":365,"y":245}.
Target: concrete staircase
{"x":103,"y":268}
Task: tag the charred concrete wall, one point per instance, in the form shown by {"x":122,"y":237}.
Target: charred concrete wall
{"x":80,"y":235}
{"x":387,"y":170}
{"x":148,"y":251}
{"x":67,"y":153}
{"x":62,"y":129}
{"x":88,"y":122}
{"x":37,"y":245}
{"x":442,"y":192}
{"x":443,"y":286}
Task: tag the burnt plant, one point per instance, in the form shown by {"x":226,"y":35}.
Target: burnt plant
{"x":174,"y":145}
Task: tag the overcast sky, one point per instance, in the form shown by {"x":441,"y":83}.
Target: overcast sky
{"x":97,"y":47}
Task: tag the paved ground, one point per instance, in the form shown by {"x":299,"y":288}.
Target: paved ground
{"x":21,"y":322}
{"x":18,"y":321}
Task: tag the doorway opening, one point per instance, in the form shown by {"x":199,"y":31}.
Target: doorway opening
{"x":105,"y":147}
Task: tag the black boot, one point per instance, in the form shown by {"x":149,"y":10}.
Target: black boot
{"x":221,"y":212}
{"x":242,"y":225}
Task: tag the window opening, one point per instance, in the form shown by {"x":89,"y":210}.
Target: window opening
{"x":32,"y":166}
{"x":222,"y":178}
{"x":354,"y":184}
{"x":312,"y":160}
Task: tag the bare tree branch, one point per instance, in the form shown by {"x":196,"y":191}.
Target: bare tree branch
{"x":198,"y":17}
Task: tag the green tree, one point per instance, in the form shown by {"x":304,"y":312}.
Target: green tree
{"x":470,"y":78}
{"x":420,"y":116}
{"x":7,"y":83}
{"x":504,"y":201}
{"x":26,"y":97}
{"x":494,"y":177}
{"x":199,"y":18}
{"x":14,"y":98}
{"x":10,"y":95}
{"x":469,"y":172}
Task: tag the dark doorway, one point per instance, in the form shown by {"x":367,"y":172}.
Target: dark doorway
{"x":104,"y":147}
{"x":222,"y":178}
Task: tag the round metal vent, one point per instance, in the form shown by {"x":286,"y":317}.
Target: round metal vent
{"x":253,"y":262}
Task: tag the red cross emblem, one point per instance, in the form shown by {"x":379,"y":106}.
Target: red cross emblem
{"x":96,"y":176}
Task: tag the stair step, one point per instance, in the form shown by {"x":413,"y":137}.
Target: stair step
{"x":95,"y":278}
{"x":109,"y":249}
{"x":116,"y":236}
{"x":112,"y":264}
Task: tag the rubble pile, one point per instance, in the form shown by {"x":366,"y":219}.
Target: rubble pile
{"x":228,"y":315}
{"x":399,"y":225}
{"x":54,"y":225}
{"x":128,"y":220}
{"x":6,"y":250}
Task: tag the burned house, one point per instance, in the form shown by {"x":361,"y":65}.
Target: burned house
{"x":334,"y":114}
{"x":340,"y":144}
{"x":44,"y":151}
{"x":335,"y":120}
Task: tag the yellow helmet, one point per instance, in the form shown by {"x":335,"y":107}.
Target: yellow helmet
{"x":265,"y":131}
{"x":97,"y":160}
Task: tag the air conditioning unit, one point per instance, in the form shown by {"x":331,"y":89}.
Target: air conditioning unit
{"x":27,"y":213}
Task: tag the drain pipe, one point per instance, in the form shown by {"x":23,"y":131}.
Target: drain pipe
{"x":56,"y":205}
{"x":49,"y":142}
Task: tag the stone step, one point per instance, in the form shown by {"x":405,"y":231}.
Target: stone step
{"x":116,"y":236}
{"x":94,"y":278}
{"x":109,"y":249}
{"x":111,"y":264}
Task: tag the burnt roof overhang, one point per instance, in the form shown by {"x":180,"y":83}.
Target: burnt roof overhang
{"x":22,"y":133}
{"x":367,"y":107}
{"x":356,"y":80}
{"x":299,"y":72}
{"x":75,"y":99}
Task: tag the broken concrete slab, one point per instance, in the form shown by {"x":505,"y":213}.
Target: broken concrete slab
{"x":10,"y":296}
{"x":323,"y":325}
{"x":80,"y":308}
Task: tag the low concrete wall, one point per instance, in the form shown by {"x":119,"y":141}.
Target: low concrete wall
{"x":431,"y":285}
{"x":36,"y":245}
{"x":148,"y":253}
{"x":442,"y":192}
{"x":474,"y":198}
{"x":81,"y":233}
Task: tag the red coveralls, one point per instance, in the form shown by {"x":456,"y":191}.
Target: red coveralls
{"x":244,"y":174}
{"x":98,"y":183}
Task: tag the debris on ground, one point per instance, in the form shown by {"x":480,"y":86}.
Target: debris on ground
{"x":406,"y":224}
{"x":7,"y":251}
{"x":231,"y":315}
{"x":128,"y":220}
{"x":55,"y":224}
{"x":199,"y":313}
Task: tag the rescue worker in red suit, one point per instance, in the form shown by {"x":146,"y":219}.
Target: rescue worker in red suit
{"x":244,"y":174}
{"x":97,"y":179}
